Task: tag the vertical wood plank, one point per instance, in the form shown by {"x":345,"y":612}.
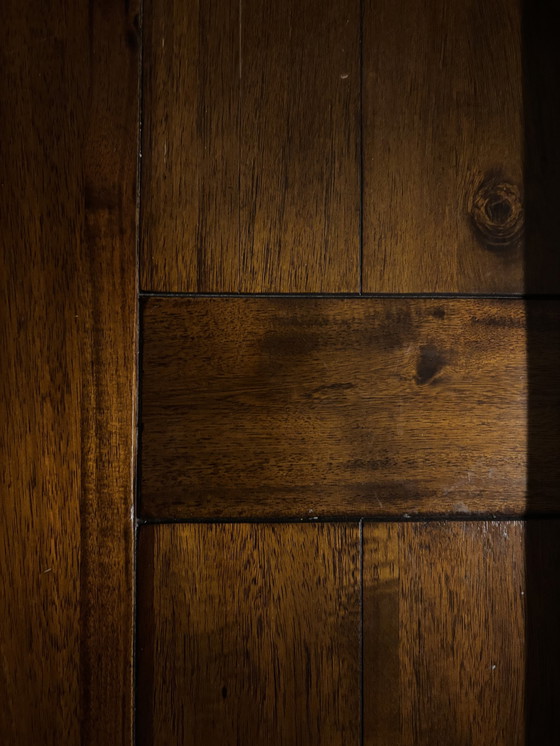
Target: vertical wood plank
{"x":190,"y":151}
{"x":541,"y":66}
{"x":461,"y":630}
{"x":68,"y":83}
{"x":108,"y":338}
{"x":249,"y":634}
{"x":300,"y":108}
{"x":251,"y":147}
{"x":443,"y":146}
{"x":381,"y":599}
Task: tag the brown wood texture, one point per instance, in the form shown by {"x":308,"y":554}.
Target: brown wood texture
{"x":318,"y":407}
{"x":250,"y":177}
{"x":68,"y":86}
{"x":444,"y":634}
{"x":249,"y":634}
{"x":443,"y":147}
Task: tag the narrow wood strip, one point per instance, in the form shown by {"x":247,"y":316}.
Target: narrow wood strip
{"x":300,"y":181}
{"x":381,"y":593}
{"x":68,"y":85}
{"x":190,"y":150}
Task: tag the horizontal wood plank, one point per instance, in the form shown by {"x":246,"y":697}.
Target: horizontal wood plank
{"x":249,"y":634}
{"x":444,"y":605}
{"x":251,"y":175}
{"x":314,"y":407}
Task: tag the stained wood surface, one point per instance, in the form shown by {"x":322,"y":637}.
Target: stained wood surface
{"x":444,"y":634}
{"x":249,"y":634}
{"x":250,"y":177}
{"x":68,"y":85}
{"x":444,"y":147}
{"x":299,"y":407}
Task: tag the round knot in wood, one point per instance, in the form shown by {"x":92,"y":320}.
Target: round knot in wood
{"x":497,"y":214}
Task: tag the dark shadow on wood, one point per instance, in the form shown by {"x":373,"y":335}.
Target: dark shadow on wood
{"x":541,"y":59}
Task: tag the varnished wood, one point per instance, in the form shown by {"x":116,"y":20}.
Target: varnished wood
{"x":443,"y":147}
{"x":381,"y":630}
{"x":251,"y":146}
{"x":448,"y":599}
{"x":249,"y":634}
{"x":299,"y":186}
{"x":68,"y":85}
{"x":190,"y":149}
{"x":366,"y":406}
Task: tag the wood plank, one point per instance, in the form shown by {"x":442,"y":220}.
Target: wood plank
{"x":443,"y":147}
{"x":456,"y":591}
{"x":323,"y":406}
{"x":190,"y":150}
{"x":249,"y":634}
{"x":68,"y":84}
{"x":250,"y":178}
{"x":300,"y":184}
{"x":381,"y":633}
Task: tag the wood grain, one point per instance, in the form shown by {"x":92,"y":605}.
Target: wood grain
{"x":300,"y":109}
{"x":68,"y":85}
{"x":249,"y":634}
{"x":448,"y":600}
{"x":190,"y":149}
{"x":250,"y":178}
{"x":317,"y":407}
{"x":443,"y":147}
{"x":381,"y":633}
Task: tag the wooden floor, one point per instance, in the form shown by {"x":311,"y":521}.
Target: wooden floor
{"x":280,"y":373}
{"x":441,"y":665}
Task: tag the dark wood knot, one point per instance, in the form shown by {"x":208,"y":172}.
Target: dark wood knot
{"x":497,"y":214}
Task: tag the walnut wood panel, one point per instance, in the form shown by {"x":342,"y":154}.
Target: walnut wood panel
{"x":444,"y":634}
{"x":300,"y":109}
{"x":316,"y":407}
{"x":249,"y":634}
{"x":68,"y":85}
{"x":190,"y":152}
{"x":443,"y":146}
{"x":251,"y":146}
